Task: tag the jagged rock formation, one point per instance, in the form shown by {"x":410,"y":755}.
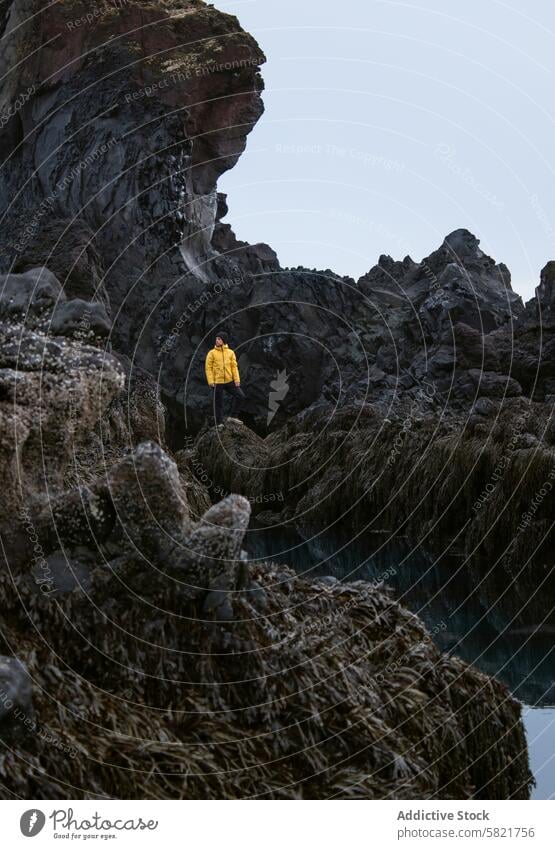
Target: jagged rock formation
{"x":115,"y":153}
{"x":140,"y":627}
{"x":171,"y":631}
{"x":118,"y":269}
{"x":55,"y":383}
{"x":129,"y":215}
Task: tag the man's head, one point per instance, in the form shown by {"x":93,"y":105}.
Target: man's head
{"x":221,"y":339}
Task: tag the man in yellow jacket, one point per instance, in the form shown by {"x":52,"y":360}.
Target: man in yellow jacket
{"x":222,"y":374}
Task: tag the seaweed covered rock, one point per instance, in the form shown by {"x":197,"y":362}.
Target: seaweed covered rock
{"x":480,"y":485}
{"x":214,"y":552}
{"x":160,"y":656}
{"x":150,"y":505}
{"x":233,"y":459}
{"x":334,"y":690}
{"x":195,"y":488}
{"x":136,"y":520}
{"x":67,"y":417}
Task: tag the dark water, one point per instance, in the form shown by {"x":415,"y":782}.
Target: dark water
{"x":442,"y":592}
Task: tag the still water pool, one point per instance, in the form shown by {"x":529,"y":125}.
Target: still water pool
{"x":462,"y":620}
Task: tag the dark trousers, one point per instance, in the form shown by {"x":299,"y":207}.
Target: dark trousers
{"x":236,"y":393}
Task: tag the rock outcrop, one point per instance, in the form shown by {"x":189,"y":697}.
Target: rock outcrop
{"x":131,"y":115}
{"x":129,"y":216}
{"x":55,"y":381}
{"x":151,"y":675}
{"x":126,"y":593}
{"x":480,"y":486}
{"x":140,"y":626}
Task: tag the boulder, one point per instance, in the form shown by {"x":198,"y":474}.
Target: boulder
{"x":36,"y":291}
{"x":80,"y":318}
{"x":16,"y":701}
{"x":483,"y":384}
{"x":148,"y":500}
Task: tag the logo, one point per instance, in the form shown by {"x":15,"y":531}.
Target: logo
{"x":32,"y":822}
{"x":280,"y":387}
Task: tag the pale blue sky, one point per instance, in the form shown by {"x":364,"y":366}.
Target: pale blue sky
{"x":390,"y":124}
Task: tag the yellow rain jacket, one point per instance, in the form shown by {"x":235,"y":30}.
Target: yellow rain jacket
{"x":221,"y":366}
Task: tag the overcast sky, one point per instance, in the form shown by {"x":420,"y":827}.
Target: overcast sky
{"x":390,"y":124}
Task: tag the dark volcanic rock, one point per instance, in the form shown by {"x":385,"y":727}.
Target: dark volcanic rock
{"x":78,"y":317}
{"x":546,"y":290}
{"x":67,"y":248}
{"x":171,"y":90}
{"x":183,"y":657}
{"x":15,"y":687}
{"x":53,"y":390}
{"x":32,"y":293}
{"x":251,"y":259}
{"x":16,"y":701}
{"x":383,"y":285}
{"x":483,"y":384}
{"x":129,"y":217}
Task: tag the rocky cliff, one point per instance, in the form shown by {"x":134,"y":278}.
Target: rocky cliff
{"x":137,"y":621}
{"x":133,"y":624}
{"x":116,"y":125}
